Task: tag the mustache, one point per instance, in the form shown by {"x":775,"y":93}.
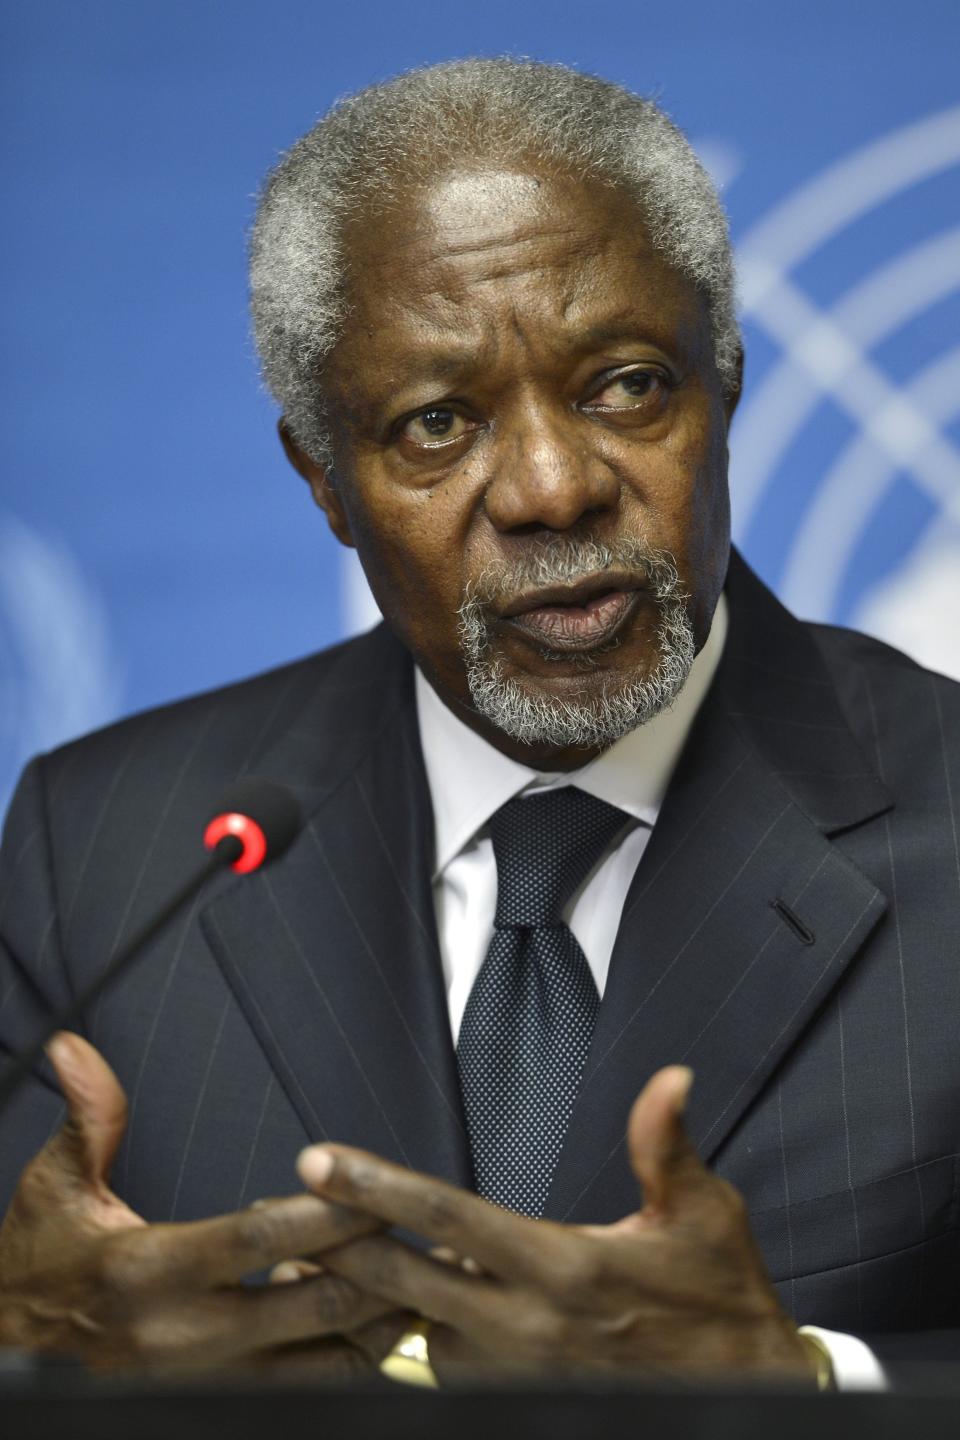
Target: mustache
{"x":565,"y":559}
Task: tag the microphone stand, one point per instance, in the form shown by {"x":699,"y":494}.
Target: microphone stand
{"x":226,"y":851}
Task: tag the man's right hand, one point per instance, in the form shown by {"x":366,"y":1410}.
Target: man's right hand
{"x":80,"y":1273}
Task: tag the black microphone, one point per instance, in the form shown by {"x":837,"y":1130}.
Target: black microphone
{"x":255,"y":821}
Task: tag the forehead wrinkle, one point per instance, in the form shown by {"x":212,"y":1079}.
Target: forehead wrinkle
{"x":440,"y":331}
{"x":535,"y":235}
{"x":505,"y":264}
{"x":445,"y":325}
{"x":446,"y":342}
{"x":445,"y":273}
{"x":433,"y":351}
{"x":443,"y":253}
{"x":462,"y":343}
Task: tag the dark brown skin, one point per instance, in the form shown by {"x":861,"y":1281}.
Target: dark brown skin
{"x":81,"y":1274}
{"x":678,"y":1288}
{"x":577,"y":369}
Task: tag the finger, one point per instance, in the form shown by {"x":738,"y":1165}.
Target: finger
{"x":412,"y":1281}
{"x":316,"y":1360}
{"x":85,"y":1147}
{"x":320,"y":1306}
{"x":223,"y":1250}
{"x":505,"y":1244}
{"x":661,"y":1154}
{"x":222,"y":1325}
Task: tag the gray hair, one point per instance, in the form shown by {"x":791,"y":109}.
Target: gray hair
{"x":407,"y":129}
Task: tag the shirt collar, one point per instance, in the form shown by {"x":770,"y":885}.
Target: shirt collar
{"x":469,"y":779}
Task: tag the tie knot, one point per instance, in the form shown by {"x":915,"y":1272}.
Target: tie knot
{"x":545,"y":847}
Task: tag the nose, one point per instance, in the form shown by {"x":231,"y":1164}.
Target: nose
{"x":547,"y":475}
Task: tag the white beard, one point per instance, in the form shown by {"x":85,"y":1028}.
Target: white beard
{"x":625,"y":703}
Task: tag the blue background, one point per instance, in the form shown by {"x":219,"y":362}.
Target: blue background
{"x":153,"y":540}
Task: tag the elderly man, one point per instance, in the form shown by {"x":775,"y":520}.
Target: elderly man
{"x":590,"y":811}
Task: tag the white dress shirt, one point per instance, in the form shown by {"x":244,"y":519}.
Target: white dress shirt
{"x":469,"y":780}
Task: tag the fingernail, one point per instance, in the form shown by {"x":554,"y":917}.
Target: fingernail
{"x":286,"y":1273}
{"x":315,"y":1166}
{"x":59,"y":1050}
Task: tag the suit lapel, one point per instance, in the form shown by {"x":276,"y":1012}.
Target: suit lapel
{"x":332,"y":952}
{"x":740,"y":920}
{"x":742,"y":915}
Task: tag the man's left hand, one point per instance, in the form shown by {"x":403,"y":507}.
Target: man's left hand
{"x":678,"y":1287}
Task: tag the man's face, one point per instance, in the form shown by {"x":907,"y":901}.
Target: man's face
{"x":527,"y":420}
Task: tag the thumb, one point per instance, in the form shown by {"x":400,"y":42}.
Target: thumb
{"x":661,"y":1154}
{"x":87,"y":1143}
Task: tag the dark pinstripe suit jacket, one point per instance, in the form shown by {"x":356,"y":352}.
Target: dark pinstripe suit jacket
{"x":822,"y":775}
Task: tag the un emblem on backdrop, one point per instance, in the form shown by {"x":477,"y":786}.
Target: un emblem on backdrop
{"x":58,"y":676}
{"x":862,"y":372}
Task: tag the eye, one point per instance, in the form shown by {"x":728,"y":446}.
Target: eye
{"x":435,"y":427}
{"x":634,"y":390}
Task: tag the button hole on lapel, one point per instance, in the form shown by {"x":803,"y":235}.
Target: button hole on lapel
{"x":794,"y":921}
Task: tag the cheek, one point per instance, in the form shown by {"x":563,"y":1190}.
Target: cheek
{"x":712,"y":499}
{"x":678,"y":494}
{"x":685,"y":507}
{"x":707,"y":536}
{"x":412,"y":558}
{"x":709,"y":539}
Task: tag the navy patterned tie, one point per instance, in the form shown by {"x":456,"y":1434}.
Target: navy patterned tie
{"x":528,"y":1021}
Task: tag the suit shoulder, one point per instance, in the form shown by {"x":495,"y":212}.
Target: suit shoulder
{"x":889,"y":699}
{"x":841,"y":648}
{"x":240,"y":719}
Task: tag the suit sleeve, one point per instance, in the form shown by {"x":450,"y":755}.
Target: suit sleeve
{"x":33,"y":984}
{"x":903,"y":1356}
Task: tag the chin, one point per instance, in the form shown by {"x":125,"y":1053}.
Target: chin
{"x":593,"y":707}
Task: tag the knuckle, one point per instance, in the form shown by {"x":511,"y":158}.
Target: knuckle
{"x":119,"y":1265}
{"x":146,"y":1335}
{"x":139,"y":1338}
{"x":361,"y":1177}
{"x":158,"y":1338}
{"x":335,"y":1302}
{"x":577,"y":1272}
{"x":256,"y":1230}
{"x":440,"y":1210}
{"x":544,"y":1334}
{"x":382,"y":1270}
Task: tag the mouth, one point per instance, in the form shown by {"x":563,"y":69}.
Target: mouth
{"x":576,"y":618}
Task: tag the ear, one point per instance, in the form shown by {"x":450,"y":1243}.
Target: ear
{"x":731,"y":400}
{"x":321,"y":481}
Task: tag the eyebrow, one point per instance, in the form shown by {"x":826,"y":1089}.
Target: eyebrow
{"x":448,"y":364}
{"x":438,"y":371}
{"x":625,"y":326}
{"x":450,"y":361}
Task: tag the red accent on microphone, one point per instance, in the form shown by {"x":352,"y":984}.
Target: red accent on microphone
{"x":249,"y":834}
